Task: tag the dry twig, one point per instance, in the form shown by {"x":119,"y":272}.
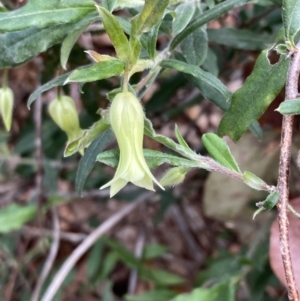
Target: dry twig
{"x":283,"y":178}
{"x":86,"y":244}
{"x":51,"y":257}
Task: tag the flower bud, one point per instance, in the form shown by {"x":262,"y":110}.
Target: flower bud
{"x":64,"y":114}
{"x":127,"y":121}
{"x":6,"y":106}
{"x":173,"y":176}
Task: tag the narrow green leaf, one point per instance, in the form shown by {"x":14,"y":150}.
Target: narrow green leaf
{"x":109,"y":4}
{"x":257,"y":212}
{"x":87,"y":137}
{"x":97,"y":71}
{"x":42,"y":14}
{"x":180,"y":138}
{"x":115,"y":32}
{"x":207,"y":16}
{"x":289,"y":107}
{"x":184,"y":14}
{"x":14,"y":216}
{"x":152,"y":12}
{"x":150,"y":132}
{"x":254,"y":181}
{"x":240,"y":38}
{"x":70,"y":41}
{"x":194,"y":47}
{"x":153,"y":159}
{"x":195,"y":71}
{"x":253,"y":98}
{"x":271,"y":200}
{"x":219,"y":151}
{"x":291,"y":19}
{"x":58,"y":81}
{"x":134,"y":50}
{"x":151,"y":39}
{"x":87,"y":162}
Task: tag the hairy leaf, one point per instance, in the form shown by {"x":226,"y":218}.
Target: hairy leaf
{"x":198,"y":73}
{"x":291,"y":19}
{"x":71,"y":39}
{"x":152,"y":12}
{"x":219,"y":151}
{"x":194,"y":47}
{"x":42,"y":14}
{"x":115,"y":32}
{"x":18,"y":47}
{"x":101,"y":70}
{"x":184,"y":14}
{"x":289,"y":107}
{"x":253,"y":98}
{"x":207,"y":16}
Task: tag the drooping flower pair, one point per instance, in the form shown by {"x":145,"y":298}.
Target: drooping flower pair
{"x":127,"y":121}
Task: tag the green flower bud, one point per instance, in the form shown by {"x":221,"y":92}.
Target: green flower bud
{"x":64,"y":114}
{"x":6,"y":106}
{"x":173,"y":176}
{"x":127,"y":122}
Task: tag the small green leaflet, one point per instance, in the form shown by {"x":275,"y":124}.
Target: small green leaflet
{"x":184,"y":14}
{"x":97,"y":71}
{"x":289,"y":107}
{"x":253,"y":98}
{"x":291,"y":20}
{"x":115,"y":33}
{"x":152,"y":12}
{"x":219,"y":151}
{"x":271,"y":200}
{"x":180,"y":138}
{"x":254,"y":181}
{"x":14,"y":216}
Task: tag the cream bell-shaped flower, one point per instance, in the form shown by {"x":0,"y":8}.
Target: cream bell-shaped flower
{"x":127,"y":121}
{"x":64,"y":113}
{"x":6,"y":106}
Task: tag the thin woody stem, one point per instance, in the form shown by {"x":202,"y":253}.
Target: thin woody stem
{"x":283,"y":178}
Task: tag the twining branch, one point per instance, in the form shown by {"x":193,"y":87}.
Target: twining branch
{"x":283,"y":177}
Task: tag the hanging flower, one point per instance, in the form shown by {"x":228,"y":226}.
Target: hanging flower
{"x":127,"y":122}
{"x":6,"y":106}
{"x":64,"y":113}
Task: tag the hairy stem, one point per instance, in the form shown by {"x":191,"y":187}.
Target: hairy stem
{"x":283,"y":178}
